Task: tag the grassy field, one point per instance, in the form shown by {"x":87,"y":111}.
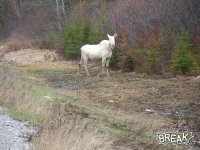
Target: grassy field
{"x":98,"y":113}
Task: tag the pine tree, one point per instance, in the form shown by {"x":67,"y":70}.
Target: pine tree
{"x":182,"y":62}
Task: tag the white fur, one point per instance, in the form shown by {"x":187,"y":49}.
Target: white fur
{"x":103,"y":51}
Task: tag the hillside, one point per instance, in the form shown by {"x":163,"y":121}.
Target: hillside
{"x":154,"y":81}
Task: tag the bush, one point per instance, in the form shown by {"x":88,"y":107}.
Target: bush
{"x":122,"y":54}
{"x":183,"y":62}
{"x":147,"y":55}
{"x":73,"y":38}
{"x":153,"y":59}
{"x":1,"y":16}
{"x":51,"y":42}
{"x":77,"y":35}
{"x":115,"y":59}
{"x":167,"y":48}
{"x":196,"y":68}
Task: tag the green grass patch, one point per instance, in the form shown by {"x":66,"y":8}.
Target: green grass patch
{"x":35,"y":90}
{"x":103,"y":114}
{"x":116,"y":122}
{"x":27,"y":116}
{"x":113,"y":132}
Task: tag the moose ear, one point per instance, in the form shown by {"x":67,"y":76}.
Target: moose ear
{"x":115,"y":35}
{"x":108,"y":35}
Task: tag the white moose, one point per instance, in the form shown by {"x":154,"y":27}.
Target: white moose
{"x":103,"y":51}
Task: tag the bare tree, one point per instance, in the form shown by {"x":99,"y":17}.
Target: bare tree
{"x":136,"y":16}
{"x":58,"y":14}
{"x":63,"y":9}
{"x":15,"y":6}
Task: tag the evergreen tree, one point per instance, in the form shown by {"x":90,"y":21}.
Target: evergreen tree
{"x":182,"y":62}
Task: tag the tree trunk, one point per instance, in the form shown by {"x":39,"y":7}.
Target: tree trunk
{"x":63,"y":9}
{"x":58,"y":14}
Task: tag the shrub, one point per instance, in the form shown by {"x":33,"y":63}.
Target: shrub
{"x":122,"y":54}
{"x":51,"y":42}
{"x":167,"y":48}
{"x":182,"y":62}
{"x":195,"y":40}
{"x":75,"y":36}
{"x":127,"y":62}
{"x":196,"y":68}
{"x":1,"y":16}
{"x":115,"y":59}
{"x":72,"y":39}
{"x":147,"y":55}
{"x":152,"y":62}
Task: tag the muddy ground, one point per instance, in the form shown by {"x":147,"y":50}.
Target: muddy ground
{"x":130,"y":108}
{"x":169,"y":104}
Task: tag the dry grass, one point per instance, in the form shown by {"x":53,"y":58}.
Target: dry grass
{"x":58,"y":66}
{"x":30,"y":56}
{"x":27,"y":103}
{"x":17,"y":42}
{"x":78,"y":115}
{"x":71,"y":137}
{"x":23,"y":102}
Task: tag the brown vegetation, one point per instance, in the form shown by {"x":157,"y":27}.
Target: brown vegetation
{"x":28,"y":24}
{"x":29,"y":56}
{"x":95,"y":112}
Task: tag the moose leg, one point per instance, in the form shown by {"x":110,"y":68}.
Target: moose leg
{"x":79,"y":66}
{"x":85,"y":65}
{"x":107,"y":65}
{"x":103,"y":66}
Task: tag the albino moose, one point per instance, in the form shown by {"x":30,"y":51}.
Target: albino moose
{"x":102,"y":51}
